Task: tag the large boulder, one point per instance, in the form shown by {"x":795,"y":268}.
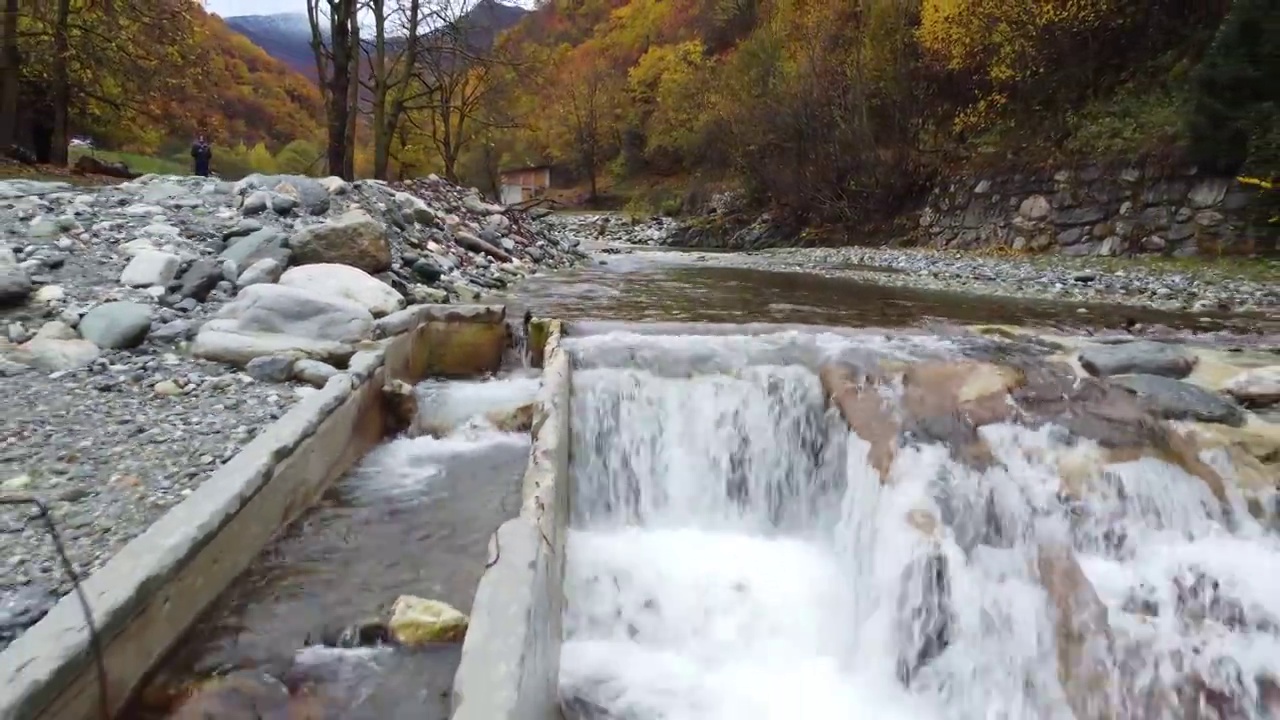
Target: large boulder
{"x":239,"y":348}
{"x":352,"y":238}
{"x":348,"y":283}
{"x":1258,"y":387}
{"x":1138,"y":358}
{"x":291,"y":311}
{"x":1178,"y":400}
{"x":116,"y":325}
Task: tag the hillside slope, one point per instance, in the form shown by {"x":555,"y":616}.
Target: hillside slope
{"x":287,"y":36}
{"x":849,"y":112}
{"x":248,"y":95}
{"x":284,"y":36}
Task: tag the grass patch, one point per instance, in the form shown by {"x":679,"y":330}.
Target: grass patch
{"x":144,"y":164}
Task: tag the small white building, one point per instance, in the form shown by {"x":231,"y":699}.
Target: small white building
{"x":526,"y":183}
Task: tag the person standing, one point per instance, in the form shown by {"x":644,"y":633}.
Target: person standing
{"x":202,"y":153}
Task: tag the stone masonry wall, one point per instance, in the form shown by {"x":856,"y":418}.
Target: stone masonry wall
{"x":1091,"y":211}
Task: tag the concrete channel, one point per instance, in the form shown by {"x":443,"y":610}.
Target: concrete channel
{"x":157,"y":586}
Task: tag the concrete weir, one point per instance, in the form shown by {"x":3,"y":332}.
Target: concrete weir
{"x":153,"y":590}
{"x":511,"y":656}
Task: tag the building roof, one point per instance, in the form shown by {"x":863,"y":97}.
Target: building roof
{"x":505,"y":171}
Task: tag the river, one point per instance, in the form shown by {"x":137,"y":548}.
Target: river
{"x":737,"y":553}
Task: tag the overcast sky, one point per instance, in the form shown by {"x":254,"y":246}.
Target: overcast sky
{"x":231,"y":8}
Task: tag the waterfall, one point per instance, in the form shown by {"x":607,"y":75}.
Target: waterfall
{"x":738,"y":552}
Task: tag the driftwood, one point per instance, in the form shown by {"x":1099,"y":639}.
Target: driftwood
{"x":89,"y":165}
{"x":525,"y":205}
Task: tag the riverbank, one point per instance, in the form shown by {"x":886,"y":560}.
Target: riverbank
{"x":1241,"y":287}
{"x":151,"y":329}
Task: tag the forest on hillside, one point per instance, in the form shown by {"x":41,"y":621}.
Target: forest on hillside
{"x":837,"y":110}
{"x":144,"y":76}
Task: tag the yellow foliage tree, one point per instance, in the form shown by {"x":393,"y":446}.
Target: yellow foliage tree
{"x":1005,"y":45}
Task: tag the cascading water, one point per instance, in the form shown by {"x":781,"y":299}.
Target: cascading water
{"x":736,"y":554}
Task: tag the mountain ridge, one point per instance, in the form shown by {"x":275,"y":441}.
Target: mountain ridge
{"x":287,"y":36}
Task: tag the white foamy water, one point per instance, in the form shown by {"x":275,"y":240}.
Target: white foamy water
{"x":407,"y":466}
{"x":734,"y":555}
{"x":451,"y":403}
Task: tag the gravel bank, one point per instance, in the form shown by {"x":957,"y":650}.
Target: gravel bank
{"x":149,"y":330}
{"x":1188,"y":287}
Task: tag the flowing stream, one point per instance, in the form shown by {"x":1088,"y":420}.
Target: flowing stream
{"x":737,"y":553}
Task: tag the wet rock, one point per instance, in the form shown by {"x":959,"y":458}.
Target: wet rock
{"x":401,"y":403}
{"x":1256,"y":388}
{"x":1137,"y":358}
{"x":1177,"y":400}
{"x":518,"y":420}
{"x":243,"y":694}
{"x":116,"y":325}
{"x":417,"y":621}
{"x":353,"y":238}
{"x":370,"y":633}
{"x":925,"y":615}
{"x":348,"y":283}
{"x":1084,"y":641}
{"x":867,"y":413}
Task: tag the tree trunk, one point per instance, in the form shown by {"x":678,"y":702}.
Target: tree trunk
{"x":10,"y":74}
{"x":61,"y":85}
{"x":353,"y":98}
{"x":339,"y":87}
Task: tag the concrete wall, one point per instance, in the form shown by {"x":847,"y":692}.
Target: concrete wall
{"x":511,"y":657}
{"x":150,"y":593}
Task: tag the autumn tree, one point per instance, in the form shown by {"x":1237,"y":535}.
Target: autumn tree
{"x":392,"y":59}
{"x":457,"y":77}
{"x":581,"y":110}
{"x":1236,"y":102}
{"x":105,"y":64}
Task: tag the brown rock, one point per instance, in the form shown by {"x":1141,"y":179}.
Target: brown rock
{"x":352,"y":238}
{"x":1084,"y":639}
{"x":401,"y":407}
{"x":857,"y":396}
{"x":518,"y":420}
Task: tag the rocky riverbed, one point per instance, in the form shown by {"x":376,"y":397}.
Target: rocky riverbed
{"x":148,"y":330}
{"x":1187,"y":286}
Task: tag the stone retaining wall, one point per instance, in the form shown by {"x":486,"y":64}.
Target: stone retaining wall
{"x":151,"y":592}
{"x":1091,"y":211}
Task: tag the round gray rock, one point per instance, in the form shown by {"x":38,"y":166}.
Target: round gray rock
{"x":1178,"y":400}
{"x":1138,"y":358}
{"x":116,"y":325}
